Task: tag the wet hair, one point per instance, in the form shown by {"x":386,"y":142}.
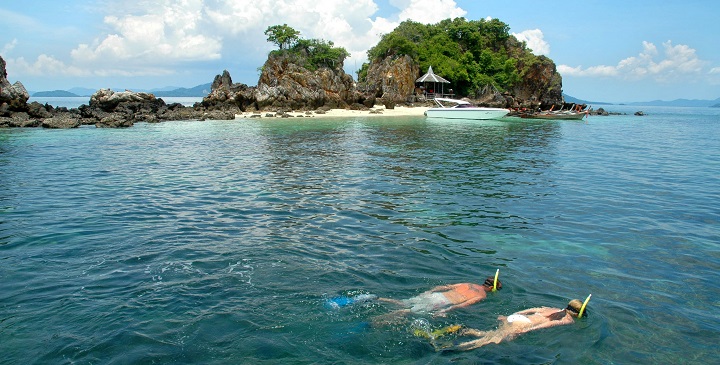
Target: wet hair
{"x":490,"y":280}
{"x":574,"y":307}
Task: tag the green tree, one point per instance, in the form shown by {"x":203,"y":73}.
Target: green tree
{"x":283,"y":36}
{"x":309,"y":53}
{"x":320,"y":53}
{"x":471,"y":54}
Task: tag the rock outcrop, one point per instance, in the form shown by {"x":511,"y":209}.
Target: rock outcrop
{"x":110,"y":109}
{"x":226,"y":95}
{"x":106,"y":109}
{"x":540,"y":87}
{"x":286,"y":84}
{"x":14,"y":96}
{"x":392,"y":79}
{"x":62,"y":121}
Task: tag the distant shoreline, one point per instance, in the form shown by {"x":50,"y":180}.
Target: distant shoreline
{"x":75,"y":101}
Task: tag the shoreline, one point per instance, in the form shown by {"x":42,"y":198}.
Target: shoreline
{"x":377,"y":111}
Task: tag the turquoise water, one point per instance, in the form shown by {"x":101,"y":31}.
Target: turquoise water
{"x":217,"y":242}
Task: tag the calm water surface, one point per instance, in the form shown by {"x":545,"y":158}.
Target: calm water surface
{"x":217,"y":242}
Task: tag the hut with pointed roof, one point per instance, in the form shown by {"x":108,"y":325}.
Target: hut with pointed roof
{"x":431,"y":78}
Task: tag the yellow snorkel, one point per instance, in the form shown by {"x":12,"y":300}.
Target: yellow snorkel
{"x":582,"y":309}
{"x":497,"y":273}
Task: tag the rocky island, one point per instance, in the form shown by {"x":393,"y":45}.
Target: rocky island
{"x":487,"y":65}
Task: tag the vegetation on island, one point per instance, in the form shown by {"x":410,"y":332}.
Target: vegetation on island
{"x":310,"y":53}
{"x":471,"y":54}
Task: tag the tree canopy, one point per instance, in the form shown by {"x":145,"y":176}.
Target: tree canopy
{"x":314,"y":52}
{"x":282,"y":35}
{"x":471,"y":54}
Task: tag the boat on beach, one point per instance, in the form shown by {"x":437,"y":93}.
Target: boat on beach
{"x":463,"y":110}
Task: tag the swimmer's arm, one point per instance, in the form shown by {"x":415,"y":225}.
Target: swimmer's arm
{"x":485,"y":338}
{"x":559,"y":322}
{"x":440,"y":288}
{"x":441,"y":313}
{"x":531,"y":311}
{"x":388,"y":300}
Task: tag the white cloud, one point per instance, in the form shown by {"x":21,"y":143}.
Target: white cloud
{"x":595,"y":71}
{"x":44,"y":65}
{"x":535,"y":40}
{"x":8,"y":47}
{"x":676,"y":62}
{"x":145,"y":37}
{"x":348,"y":23}
{"x":428,"y":11}
{"x":163,"y":35}
{"x":713,"y":76}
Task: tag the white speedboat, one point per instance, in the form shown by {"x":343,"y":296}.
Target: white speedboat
{"x":463,"y":110}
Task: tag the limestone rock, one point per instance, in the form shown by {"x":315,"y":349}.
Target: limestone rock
{"x":392,"y":78}
{"x":38,"y":110}
{"x":109,"y":100}
{"x":15,"y":94}
{"x":541,"y":86}
{"x":114,"y":120}
{"x":226,"y":95}
{"x":218,"y":115}
{"x":61,"y":121}
{"x":286,"y":83}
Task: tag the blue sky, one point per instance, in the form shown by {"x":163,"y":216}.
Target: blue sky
{"x":616,"y":51}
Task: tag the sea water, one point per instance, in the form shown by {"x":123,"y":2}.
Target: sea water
{"x":218,"y":242}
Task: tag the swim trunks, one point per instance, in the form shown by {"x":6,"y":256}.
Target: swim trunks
{"x":519,"y":318}
{"x":427,"y":302}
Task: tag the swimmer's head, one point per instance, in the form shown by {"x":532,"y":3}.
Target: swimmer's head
{"x":489,"y":282}
{"x":574,"y":308}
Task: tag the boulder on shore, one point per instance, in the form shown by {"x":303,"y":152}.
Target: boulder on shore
{"x":14,"y":96}
{"x":61,"y":121}
{"x":125,"y":101}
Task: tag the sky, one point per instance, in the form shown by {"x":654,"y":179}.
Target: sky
{"x":609,"y":50}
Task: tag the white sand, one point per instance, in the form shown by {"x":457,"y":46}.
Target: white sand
{"x":377,"y":111}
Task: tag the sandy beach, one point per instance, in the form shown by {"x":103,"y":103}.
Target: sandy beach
{"x":377,"y":111}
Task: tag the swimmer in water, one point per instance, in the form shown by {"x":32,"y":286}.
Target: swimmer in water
{"x":522,"y":322}
{"x":441,"y":299}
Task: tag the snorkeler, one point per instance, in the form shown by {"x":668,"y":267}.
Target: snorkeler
{"x":523,"y":322}
{"x":441,"y":299}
